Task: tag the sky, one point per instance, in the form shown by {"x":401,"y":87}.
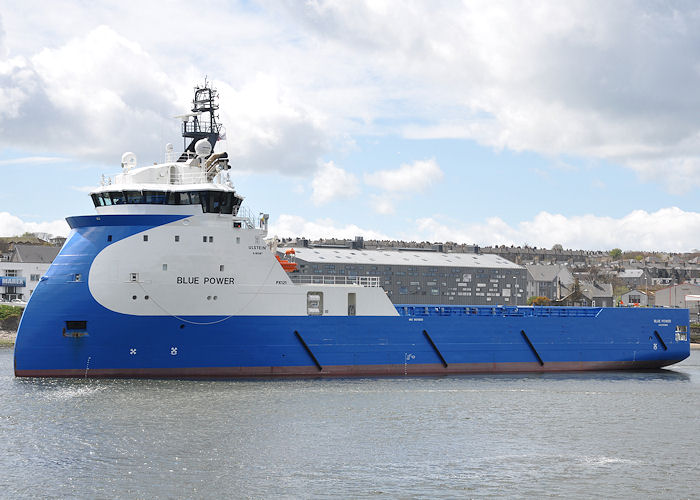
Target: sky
{"x":494,"y":123}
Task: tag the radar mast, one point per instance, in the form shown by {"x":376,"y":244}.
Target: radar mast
{"x":197,"y":125}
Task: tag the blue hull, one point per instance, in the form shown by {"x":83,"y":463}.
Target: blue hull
{"x":422,"y":340}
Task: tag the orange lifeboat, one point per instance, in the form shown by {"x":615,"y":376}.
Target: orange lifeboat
{"x":288,"y":263}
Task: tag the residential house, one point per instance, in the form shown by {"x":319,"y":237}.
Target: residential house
{"x":545,"y":280}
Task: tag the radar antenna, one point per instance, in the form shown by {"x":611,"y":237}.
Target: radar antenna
{"x":198,"y":127}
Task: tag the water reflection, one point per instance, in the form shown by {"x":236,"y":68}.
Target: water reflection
{"x":530,"y":435}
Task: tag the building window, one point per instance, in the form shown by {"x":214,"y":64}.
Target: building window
{"x":77,"y":277}
{"x":221,"y":267}
{"x":34,"y":277}
{"x":165,"y":267}
{"x":133,"y":277}
{"x":177,"y":237}
{"x":145,"y":237}
{"x":109,"y":237}
{"x":211,"y":239}
{"x":204,"y":239}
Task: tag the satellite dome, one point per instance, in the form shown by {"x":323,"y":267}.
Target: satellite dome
{"x":202,"y":147}
{"x":128,"y":160}
{"x":169,"y":148}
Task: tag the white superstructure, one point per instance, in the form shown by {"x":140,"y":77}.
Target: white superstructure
{"x":211,"y":260}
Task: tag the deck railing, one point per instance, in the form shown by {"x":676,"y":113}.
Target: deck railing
{"x":521,"y":311}
{"x":318,"y":279}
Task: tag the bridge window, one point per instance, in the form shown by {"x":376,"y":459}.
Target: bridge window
{"x":211,"y":201}
{"x":177,"y":198}
{"x":154,"y":197}
{"x":117,"y":198}
{"x":134,"y":197}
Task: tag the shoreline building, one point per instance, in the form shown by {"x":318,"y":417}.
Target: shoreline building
{"x":22,"y":268}
{"x":636,"y":298}
{"x":675,"y":296}
{"x":413,"y":276}
{"x":546,"y":280}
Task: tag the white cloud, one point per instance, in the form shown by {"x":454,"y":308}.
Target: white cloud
{"x":33,"y":160}
{"x":414,"y":177}
{"x":383,"y":203}
{"x":612,"y":80}
{"x":290,"y":226}
{"x":89,"y":98}
{"x":667,"y":229}
{"x":11,"y":225}
{"x":269,"y":128}
{"x":333,"y":183}
{"x":82,"y":189}
{"x":101,"y":93}
{"x":615,"y":80}
{"x":396,"y":184}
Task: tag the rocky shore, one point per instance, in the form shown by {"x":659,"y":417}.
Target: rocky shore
{"x":7,"y":338}
{"x":8,"y":329}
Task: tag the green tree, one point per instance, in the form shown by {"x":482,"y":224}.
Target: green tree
{"x":616,"y":253}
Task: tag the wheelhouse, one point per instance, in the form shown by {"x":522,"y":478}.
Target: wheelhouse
{"x":211,"y":201}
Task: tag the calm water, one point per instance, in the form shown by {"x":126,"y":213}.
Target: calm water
{"x":625,"y":435}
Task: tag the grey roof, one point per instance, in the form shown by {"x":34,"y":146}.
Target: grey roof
{"x":631,"y":273}
{"x":589,"y":289}
{"x":35,"y":253}
{"x":403,"y":258}
{"x":541,"y":272}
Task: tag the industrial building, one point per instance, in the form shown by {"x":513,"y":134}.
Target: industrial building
{"x":413,"y":276}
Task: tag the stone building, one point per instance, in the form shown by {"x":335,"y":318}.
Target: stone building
{"x":586,"y":294}
{"x":546,"y":280}
{"x":636,"y":298}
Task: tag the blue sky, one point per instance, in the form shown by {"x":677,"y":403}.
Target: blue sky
{"x":482,"y":122}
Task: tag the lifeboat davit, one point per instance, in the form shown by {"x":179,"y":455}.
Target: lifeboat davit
{"x":288,"y":263}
